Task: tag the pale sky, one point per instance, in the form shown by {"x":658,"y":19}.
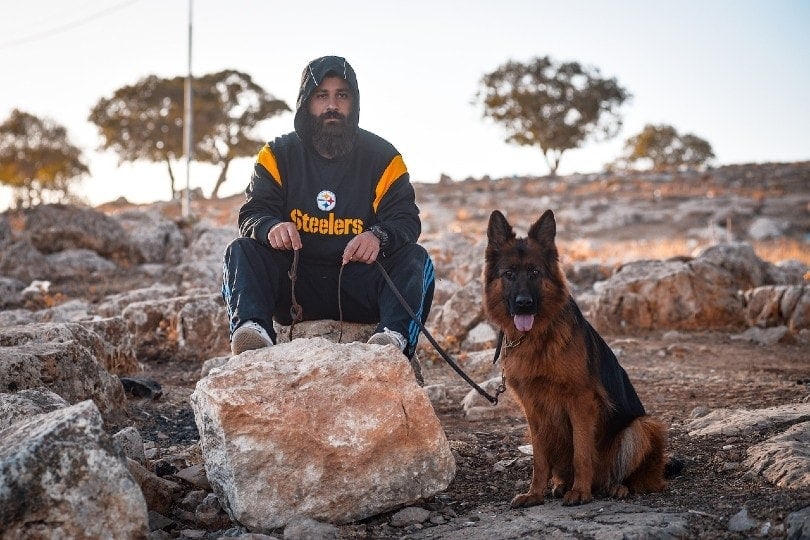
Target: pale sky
{"x":734,"y":72}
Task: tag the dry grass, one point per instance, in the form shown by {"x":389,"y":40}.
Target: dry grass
{"x":773,"y":251}
{"x":782,"y":250}
{"x":617,"y":252}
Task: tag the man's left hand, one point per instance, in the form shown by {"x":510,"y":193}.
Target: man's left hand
{"x":364,"y":248}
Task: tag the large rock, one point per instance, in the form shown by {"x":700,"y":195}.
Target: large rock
{"x":58,"y":227}
{"x":67,"y":369}
{"x":79,"y":263}
{"x":107,"y":339}
{"x":460,"y":314}
{"x":152,"y":237}
{"x":741,"y":261}
{"x":333,"y":432}
{"x":182,"y":328}
{"x":778,"y":305}
{"x":196,"y":276}
{"x":115,"y":304}
{"x":686,"y":295}
{"x":784,"y":459}
{"x":61,"y":476}
{"x":201,"y":265}
{"x":209,"y":244}
{"x":743,"y":421}
{"x":27,"y":403}
{"x":23,"y":261}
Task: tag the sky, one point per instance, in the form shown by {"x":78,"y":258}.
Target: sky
{"x":733,"y":72}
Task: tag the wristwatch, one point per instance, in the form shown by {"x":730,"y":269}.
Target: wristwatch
{"x":381,"y":235}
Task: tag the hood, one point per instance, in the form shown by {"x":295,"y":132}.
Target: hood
{"x":312,"y":76}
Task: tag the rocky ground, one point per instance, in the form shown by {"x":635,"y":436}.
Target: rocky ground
{"x":675,"y":376}
{"x":678,"y":375}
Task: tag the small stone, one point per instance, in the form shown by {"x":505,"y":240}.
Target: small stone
{"x":409,"y":516}
{"x":741,"y":521}
{"x":141,"y":387}
{"x":303,"y":528}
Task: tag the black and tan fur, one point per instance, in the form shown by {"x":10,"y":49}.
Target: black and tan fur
{"x":589,"y":431}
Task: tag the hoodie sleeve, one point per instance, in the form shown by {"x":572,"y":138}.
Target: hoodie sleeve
{"x":265,"y":198}
{"x":395,"y":206}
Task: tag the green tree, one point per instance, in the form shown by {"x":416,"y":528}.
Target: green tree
{"x":144,"y":121}
{"x":37,"y":159}
{"x":662,"y":147}
{"x":554,"y":106}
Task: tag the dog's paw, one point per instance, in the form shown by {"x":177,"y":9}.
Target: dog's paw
{"x":526,"y":499}
{"x":575,"y":497}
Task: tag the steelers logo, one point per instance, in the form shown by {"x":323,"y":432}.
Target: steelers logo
{"x":326,"y":200}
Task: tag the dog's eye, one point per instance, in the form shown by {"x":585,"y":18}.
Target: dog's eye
{"x":509,"y":274}
{"x":534,"y":272}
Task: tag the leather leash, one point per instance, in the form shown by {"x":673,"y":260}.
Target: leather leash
{"x":501,"y":388}
{"x":296,"y":312}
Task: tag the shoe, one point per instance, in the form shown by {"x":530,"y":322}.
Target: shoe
{"x":388,"y":337}
{"x":250,"y":335}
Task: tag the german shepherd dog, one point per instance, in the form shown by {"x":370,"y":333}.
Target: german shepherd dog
{"x":588,"y":429}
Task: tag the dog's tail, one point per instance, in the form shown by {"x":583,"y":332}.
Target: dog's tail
{"x":639,"y":460}
{"x":642,"y":440}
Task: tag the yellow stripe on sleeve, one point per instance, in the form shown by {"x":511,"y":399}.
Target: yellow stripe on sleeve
{"x":394,"y":170}
{"x":267,"y":160}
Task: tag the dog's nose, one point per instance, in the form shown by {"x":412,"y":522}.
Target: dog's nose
{"x":524,"y":301}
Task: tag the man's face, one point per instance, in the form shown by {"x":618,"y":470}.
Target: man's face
{"x":329,"y":108}
{"x":331,"y":101}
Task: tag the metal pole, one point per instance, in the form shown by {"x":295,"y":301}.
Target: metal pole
{"x":188,"y":146}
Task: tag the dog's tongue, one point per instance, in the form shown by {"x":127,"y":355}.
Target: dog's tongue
{"x":524,"y":322}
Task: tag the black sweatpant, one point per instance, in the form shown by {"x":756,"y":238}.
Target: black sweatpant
{"x":256,"y":286}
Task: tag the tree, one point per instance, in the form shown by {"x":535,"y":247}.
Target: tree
{"x":144,"y":121}
{"x":233,"y":105}
{"x":663,"y":147}
{"x":555,"y":106}
{"x":36,"y":159}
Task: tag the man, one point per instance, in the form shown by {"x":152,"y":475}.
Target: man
{"x":341,"y":198}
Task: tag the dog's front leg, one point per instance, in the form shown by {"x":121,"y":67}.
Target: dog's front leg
{"x":583,"y":424}
{"x":540,"y":474}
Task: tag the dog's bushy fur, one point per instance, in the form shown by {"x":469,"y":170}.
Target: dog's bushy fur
{"x":589,"y":431}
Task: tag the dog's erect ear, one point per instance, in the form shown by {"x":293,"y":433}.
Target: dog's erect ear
{"x":499,"y":230}
{"x":544,"y":229}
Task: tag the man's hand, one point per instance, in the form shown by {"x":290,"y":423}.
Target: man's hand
{"x":364,"y":248}
{"x":284,"y":235}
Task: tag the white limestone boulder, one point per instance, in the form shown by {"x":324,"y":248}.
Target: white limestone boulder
{"x":334,"y":432}
{"x":61,"y":476}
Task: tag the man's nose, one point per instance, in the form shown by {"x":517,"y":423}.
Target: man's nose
{"x":332,"y":104}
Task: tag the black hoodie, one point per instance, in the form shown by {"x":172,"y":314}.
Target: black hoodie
{"x":330,"y":200}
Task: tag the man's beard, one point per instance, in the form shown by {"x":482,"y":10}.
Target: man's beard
{"x":332,"y":139}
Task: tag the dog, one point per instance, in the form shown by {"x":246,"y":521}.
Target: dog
{"x":588,"y":429}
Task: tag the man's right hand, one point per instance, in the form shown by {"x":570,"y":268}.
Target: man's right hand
{"x":284,"y":235}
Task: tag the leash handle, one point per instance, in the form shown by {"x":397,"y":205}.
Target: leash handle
{"x":296,"y":311}
{"x":492,"y":399}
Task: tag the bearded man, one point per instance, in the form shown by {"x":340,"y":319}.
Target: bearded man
{"x":340,"y":198}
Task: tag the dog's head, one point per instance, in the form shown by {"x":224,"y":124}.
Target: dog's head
{"x":523,"y":280}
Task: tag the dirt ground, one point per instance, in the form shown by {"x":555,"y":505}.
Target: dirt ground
{"x":672,"y":377}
